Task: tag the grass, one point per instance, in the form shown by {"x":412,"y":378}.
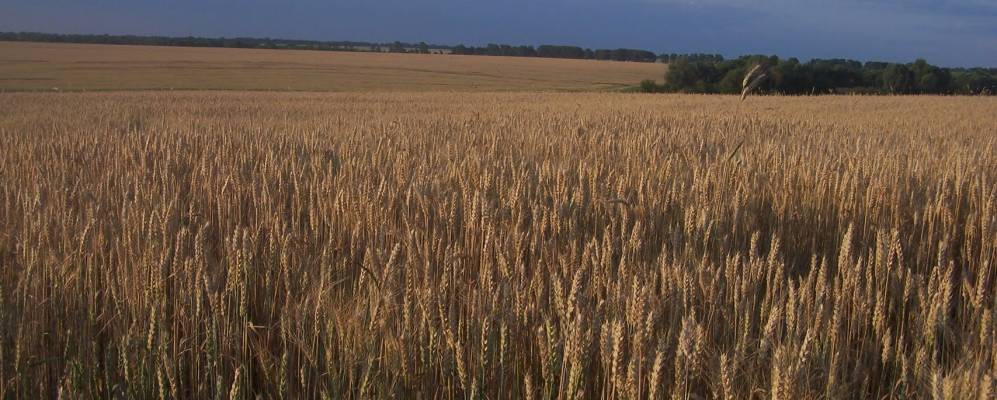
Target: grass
{"x":290,"y":245}
{"x":78,"y":67}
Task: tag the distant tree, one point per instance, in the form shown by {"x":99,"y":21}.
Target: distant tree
{"x":423,"y":48}
{"x":872,"y":74}
{"x":975,"y":81}
{"x":684,"y":75}
{"x":560,"y":51}
{"x":788,"y":77}
{"x":649,"y":86}
{"x":397,"y":47}
{"x":731,"y":82}
{"x":898,"y":78}
{"x":931,"y":79}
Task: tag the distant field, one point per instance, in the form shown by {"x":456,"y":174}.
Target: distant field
{"x":74,"y":67}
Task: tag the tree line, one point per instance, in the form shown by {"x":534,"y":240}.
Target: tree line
{"x":822,"y":76}
{"x":548,"y":51}
{"x":552,"y":51}
{"x":576,"y":52}
{"x":238,"y":42}
{"x":492,"y":49}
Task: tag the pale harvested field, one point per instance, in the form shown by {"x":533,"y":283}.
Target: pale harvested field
{"x":290,"y":245}
{"x":75,"y":67}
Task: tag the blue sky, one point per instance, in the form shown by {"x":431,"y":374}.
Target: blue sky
{"x":945,"y":32}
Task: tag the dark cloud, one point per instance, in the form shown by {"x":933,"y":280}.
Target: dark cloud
{"x":946,"y":32}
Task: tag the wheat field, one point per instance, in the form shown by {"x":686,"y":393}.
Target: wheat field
{"x":498,"y":246}
{"x":64,"y":67}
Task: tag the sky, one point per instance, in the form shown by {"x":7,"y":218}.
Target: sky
{"x":945,"y":32}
